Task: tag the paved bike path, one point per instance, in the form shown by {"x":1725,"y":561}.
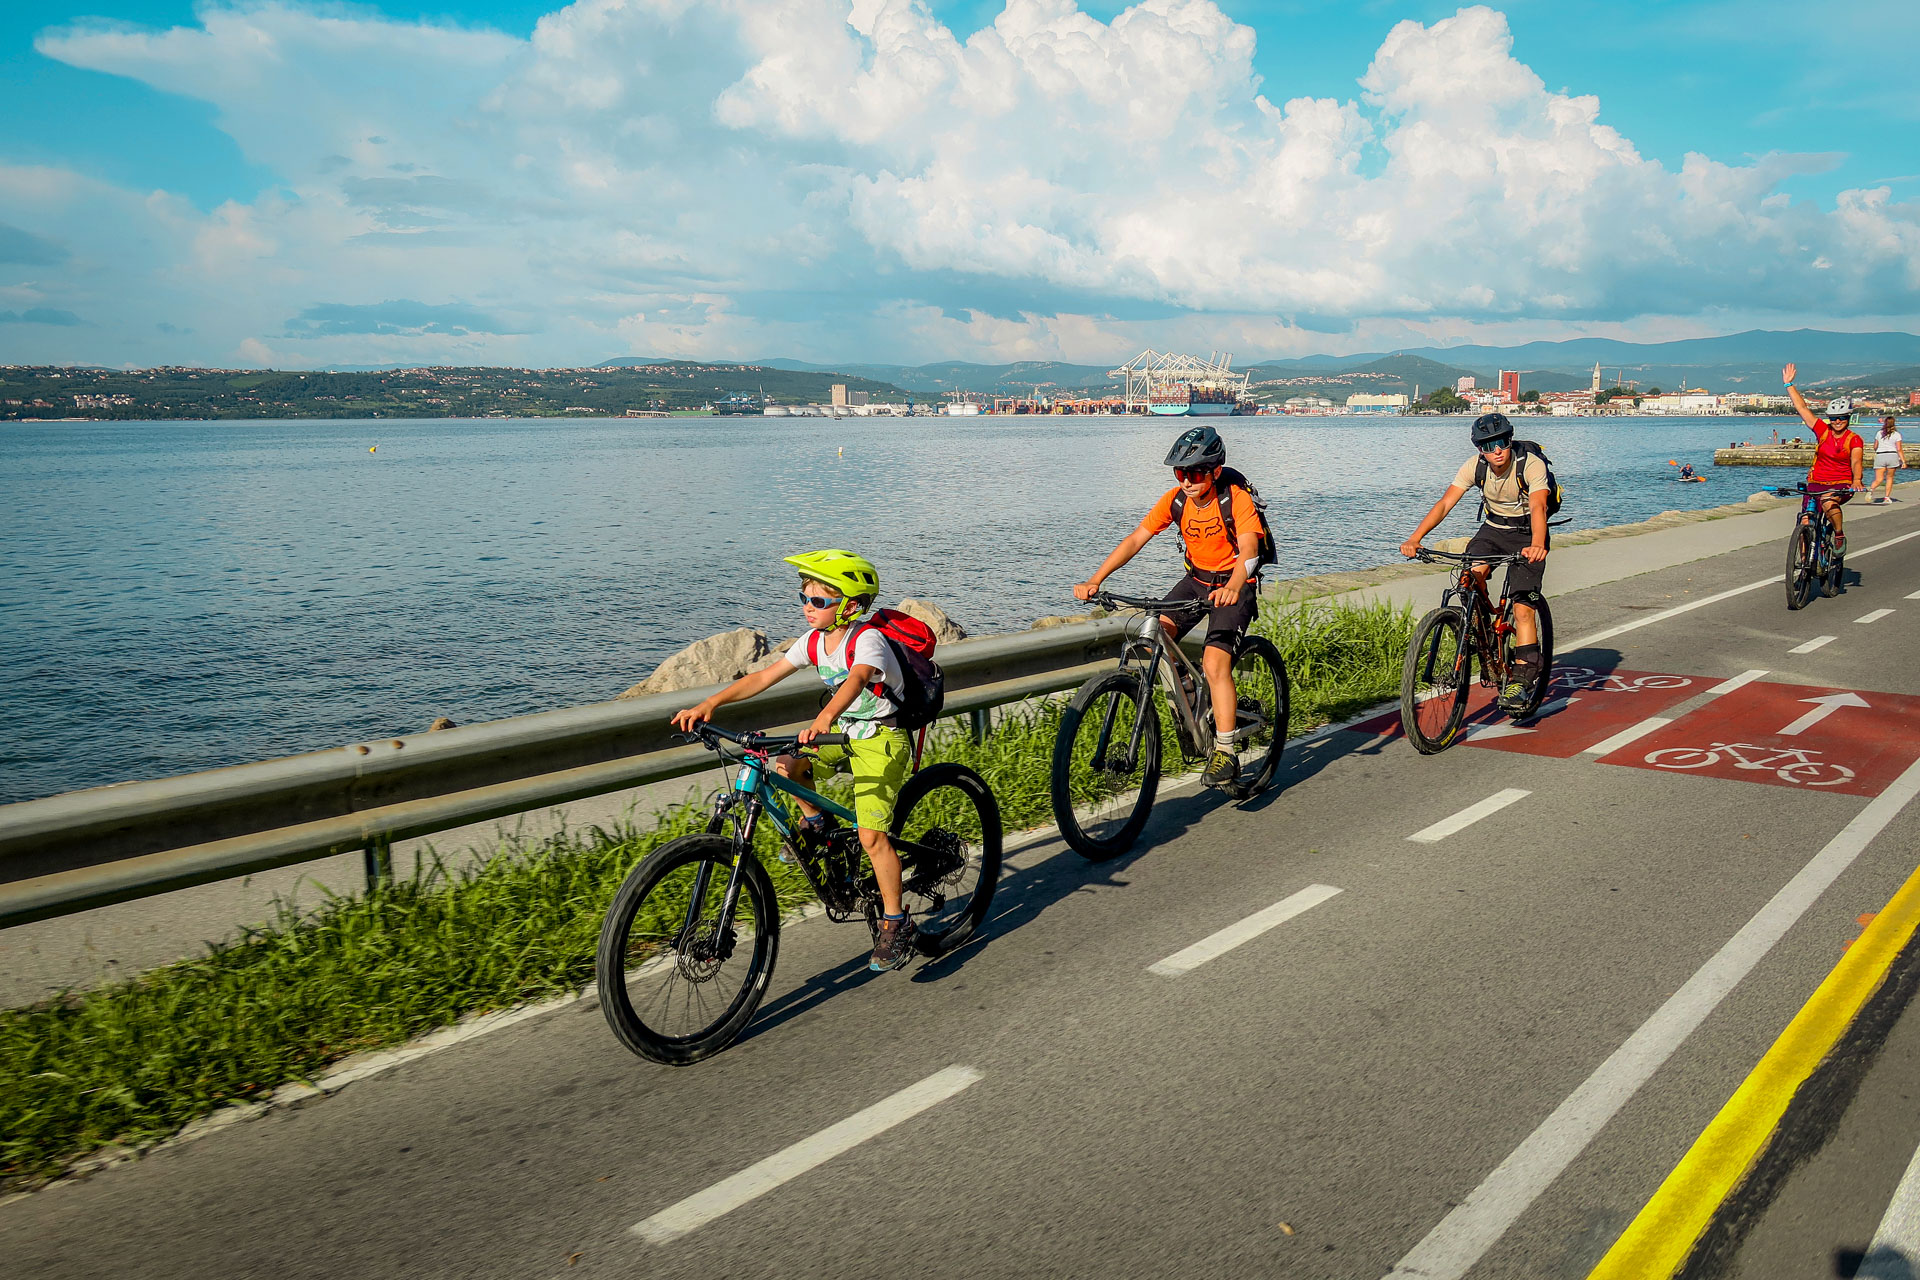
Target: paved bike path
{"x":1354,"y":1071}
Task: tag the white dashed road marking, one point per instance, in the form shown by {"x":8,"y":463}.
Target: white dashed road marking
{"x":1875,"y":616}
{"x":1216,"y":945}
{"x":783,"y":1166}
{"x":1468,"y":816}
{"x":1634,"y":732}
{"x":1813,"y":644}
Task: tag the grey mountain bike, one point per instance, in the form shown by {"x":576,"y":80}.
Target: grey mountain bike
{"x":1107,"y":753}
{"x":688,"y":945}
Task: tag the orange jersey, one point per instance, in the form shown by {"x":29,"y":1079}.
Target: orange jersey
{"x":1202,"y":529}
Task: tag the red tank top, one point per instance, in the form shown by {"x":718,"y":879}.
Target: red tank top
{"x":1833,"y":459}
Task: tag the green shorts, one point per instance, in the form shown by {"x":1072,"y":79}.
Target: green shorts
{"x":879,"y":766}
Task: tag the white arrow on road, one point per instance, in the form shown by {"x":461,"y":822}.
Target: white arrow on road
{"x":1822,"y":708}
{"x":1504,"y":729}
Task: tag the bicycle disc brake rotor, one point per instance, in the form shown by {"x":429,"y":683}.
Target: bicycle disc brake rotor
{"x":945,"y":858}
{"x":705,"y":949}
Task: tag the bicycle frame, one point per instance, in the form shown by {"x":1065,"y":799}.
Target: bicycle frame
{"x":1486,"y":623}
{"x":1148,"y":642}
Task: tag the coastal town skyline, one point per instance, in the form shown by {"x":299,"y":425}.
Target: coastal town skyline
{"x":278,"y":184}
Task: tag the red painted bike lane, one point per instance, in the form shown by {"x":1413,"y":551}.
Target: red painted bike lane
{"x":1853,"y":742}
{"x":1584,"y":706}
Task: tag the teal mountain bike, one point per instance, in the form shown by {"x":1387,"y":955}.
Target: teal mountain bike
{"x":688,"y":946}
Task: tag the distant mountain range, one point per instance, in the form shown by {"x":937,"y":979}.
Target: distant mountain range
{"x":1735,"y":362}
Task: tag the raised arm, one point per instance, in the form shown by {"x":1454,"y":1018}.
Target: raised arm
{"x":1807,"y":415}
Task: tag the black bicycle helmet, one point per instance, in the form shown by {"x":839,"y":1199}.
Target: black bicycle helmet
{"x":1200,"y":447}
{"x":1489,"y":427}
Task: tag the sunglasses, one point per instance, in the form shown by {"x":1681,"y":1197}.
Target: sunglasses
{"x":821,"y":602}
{"x":1192,"y":473}
{"x":1496,"y":446}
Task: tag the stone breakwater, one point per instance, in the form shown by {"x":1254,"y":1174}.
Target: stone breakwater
{"x":1796,"y":453}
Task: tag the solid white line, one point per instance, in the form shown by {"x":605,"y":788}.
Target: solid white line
{"x":783,"y":1166}
{"x":1664,"y":614}
{"x":1813,"y":644}
{"x":1875,"y":616}
{"x":1468,"y":816}
{"x":1633,"y":733}
{"x":1465,"y":1235}
{"x":1897,"y":1239}
{"x":1216,"y":945}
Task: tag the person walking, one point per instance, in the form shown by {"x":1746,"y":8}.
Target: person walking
{"x":1887,"y":459}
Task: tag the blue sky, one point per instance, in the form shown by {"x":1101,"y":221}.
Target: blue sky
{"x":277,"y":182}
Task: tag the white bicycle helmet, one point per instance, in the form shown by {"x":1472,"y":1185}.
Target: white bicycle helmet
{"x":1839,"y":407}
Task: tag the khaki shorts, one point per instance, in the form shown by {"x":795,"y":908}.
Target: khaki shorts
{"x":879,"y":766}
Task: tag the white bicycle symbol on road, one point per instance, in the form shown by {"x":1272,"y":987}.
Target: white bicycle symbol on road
{"x":1793,"y":764}
{"x":1606,"y":681}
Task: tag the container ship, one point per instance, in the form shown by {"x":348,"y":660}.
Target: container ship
{"x":1184,"y":399}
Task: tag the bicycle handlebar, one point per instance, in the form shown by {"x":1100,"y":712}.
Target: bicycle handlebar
{"x":1109,"y":600}
{"x":1428,"y":555}
{"x":1790,"y":490}
{"x":711,"y":735}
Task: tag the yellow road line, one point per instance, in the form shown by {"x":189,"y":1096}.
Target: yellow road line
{"x":1659,"y":1239}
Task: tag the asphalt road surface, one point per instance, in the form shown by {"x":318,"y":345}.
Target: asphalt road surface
{"x":1508,"y":987}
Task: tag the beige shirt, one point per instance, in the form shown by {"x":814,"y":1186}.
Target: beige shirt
{"x":1502,"y":492}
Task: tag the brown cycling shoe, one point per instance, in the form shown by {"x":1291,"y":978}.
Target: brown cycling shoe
{"x":892,"y":944}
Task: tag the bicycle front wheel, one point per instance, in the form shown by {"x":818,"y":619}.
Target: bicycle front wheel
{"x":1264,"y":703}
{"x":678,"y":977}
{"x":946,"y":825}
{"x":1433,"y":683}
{"x":1799,"y":566}
{"x":1106,"y":756}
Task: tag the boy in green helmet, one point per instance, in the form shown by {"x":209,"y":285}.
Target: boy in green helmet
{"x":836,"y":587}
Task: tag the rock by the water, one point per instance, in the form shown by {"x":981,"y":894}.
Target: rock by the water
{"x":715,"y":660}
{"x":945,"y":629}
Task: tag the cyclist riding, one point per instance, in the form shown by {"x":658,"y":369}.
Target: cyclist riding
{"x":1837,"y":459}
{"x":1514,"y":493}
{"x":1217,"y":572}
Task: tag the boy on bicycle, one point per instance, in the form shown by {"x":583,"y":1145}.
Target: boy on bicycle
{"x":1515,"y":493}
{"x":1838,"y":458}
{"x":836,"y":587}
{"x":1217,"y":572}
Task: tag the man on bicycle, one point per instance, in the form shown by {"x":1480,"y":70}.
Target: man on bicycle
{"x":1839,"y":455}
{"x":1217,"y":572}
{"x":1513,"y":494}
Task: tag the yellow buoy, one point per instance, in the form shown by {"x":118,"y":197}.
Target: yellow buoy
{"x":841,"y":452}
{"x":373,"y":448}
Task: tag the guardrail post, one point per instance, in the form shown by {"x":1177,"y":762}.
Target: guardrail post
{"x":379,"y":860}
{"x":978,"y":719}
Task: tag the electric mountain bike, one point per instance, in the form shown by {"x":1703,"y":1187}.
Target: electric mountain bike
{"x":1439,"y":667}
{"x":688,"y":946}
{"x":1812,"y":560}
{"x":1108,"y":748}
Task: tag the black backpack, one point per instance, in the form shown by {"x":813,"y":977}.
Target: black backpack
{"x":1521,"y":448}
{"x":1223,"y":486}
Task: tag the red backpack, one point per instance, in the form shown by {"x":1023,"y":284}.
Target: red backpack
{"x":923,"y":685}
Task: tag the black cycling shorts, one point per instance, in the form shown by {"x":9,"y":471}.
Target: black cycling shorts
{"x":1226,"y":623}
{"x":1499,"y":540}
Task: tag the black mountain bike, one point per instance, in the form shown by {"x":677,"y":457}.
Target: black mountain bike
{"x":688,"y":946}
{"x":1108,"y":749}
{"x":1439,"y":666}
{"x":1812,"y":560}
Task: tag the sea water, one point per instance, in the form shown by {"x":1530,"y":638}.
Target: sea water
{"x":176,"y":596}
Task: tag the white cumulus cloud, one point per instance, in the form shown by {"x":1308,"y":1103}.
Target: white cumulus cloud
{"x":835,"y":179}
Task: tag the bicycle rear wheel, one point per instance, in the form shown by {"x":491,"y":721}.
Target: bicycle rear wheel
{"x":1545,"y":677}
{"x":1799,"y":566}
{"x":1264,"y":703}
{"x":1433,"y":683}
{"x":948,"y":823}
{"x":1108,"y":746}
{"x":677,"y":983}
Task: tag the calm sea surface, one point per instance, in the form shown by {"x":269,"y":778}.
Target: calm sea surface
{"x":176,"y":596}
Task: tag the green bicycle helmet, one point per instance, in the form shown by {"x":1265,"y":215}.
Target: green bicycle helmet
{"x":851,"y":575}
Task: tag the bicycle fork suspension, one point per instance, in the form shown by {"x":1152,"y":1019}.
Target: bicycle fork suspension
{"x":703,"y":877}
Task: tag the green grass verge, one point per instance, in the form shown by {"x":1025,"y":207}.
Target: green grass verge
{"x":135,"y":1061}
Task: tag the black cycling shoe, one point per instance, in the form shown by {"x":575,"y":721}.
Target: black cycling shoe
{"x":1517,"y":692}
{"x":1223,"y":769}
{"x":892,"y":944}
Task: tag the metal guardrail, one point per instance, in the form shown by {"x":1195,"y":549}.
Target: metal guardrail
{"x":85,"y":849}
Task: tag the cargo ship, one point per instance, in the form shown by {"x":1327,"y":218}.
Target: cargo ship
{"x":1185,"y":399}
{"x":741,"y":403}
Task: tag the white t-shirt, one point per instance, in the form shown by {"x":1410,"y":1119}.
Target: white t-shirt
{"x":1889,"y":443}
{"x":860,"y":720}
